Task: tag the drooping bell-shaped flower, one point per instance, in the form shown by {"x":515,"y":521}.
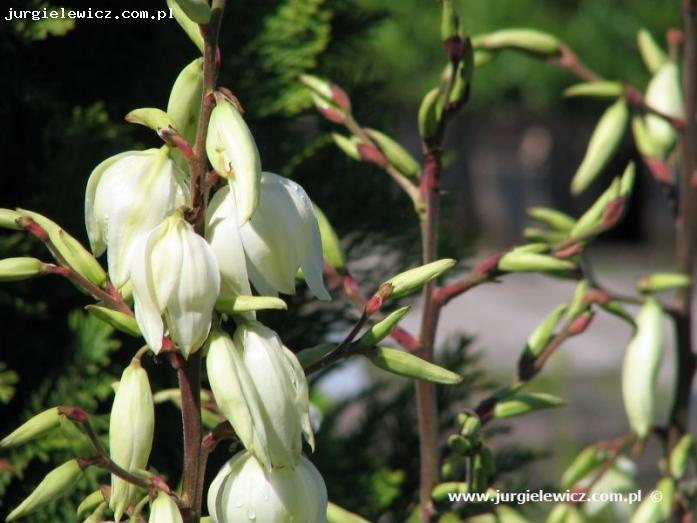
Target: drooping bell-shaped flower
{"x":131,"y":427}
{"x":244,"y":491}
{"x":261,"y":389}
{"x":176,"y":281}
{"x":127,"y":196}
{"x":282,"y":237}
{"x":233,"y":153}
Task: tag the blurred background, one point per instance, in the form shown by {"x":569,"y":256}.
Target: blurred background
{"x":65,"y":88}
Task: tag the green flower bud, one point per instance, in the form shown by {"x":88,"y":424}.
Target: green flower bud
{"x":666,"y":486}
{"x":233,"y":153}
{"x":97,"y":516}
{"x":557,"y":220}
{"x":312,"y":355}
{"x":643,"y":140}
{"x":8,"y":219}
{"x":539,"y":338}
{"x":528,"y":40}
{"x":664,"y":281}
{"x":520,"y":404}
{"x":533,"y":234}
{"x":69,"y":248}
{"x":336,"y":514}
{"x":587,"y":461}
{"x":594,"y":215}
{"x":627,"y":180}
{"x":138,"y":510}
{"x":190,"y":27}
{"x":382,"y":329}
{"x":517,"y":261}
{"x":566,"y":513}
{"x":471,"y":427}
{"x":32,"y":429}
{"x":601,"y":89}
{"x":348,"y":145}
{"x":151,"y":117}
{"x":483,"y":57}
{"x":578,"y":304}
{"x":680,"y":456}
{"x":410,"y":366}
{"x":440,"y":492}
{"x":430,"y":113}
{"x":14,"y":269}
{"x":317,"y":85}
{"x":331,"y":247}
{"x":131,"y":427}
{"x":56,"y":484}
{"x":242,"y":303}
{"x":197,"y":11}
{"x":459,"y":444}
{"x":120,"y":321}
{"x":654,"y":57}
{"x":164,"y":510}
{"x":90,"y":503}
{"x":603,"y":143}
{"x":449,"y":22}
{"x":395,"y":153}
{"x":184,"y":105}
{"x":664,"y":93}
{"x":641,"y":363}
{"x":410,"y":281}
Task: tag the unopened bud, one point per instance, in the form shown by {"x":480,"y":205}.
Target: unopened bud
{"x":520,"y":404}
{"x":516,"y":261}
{"x":643,"y":140}
{"x":603,"y":143}
{"x":382,"y":329}
{"x":459,"y":444}
{"x":664,"y":281}
{"x":539,"y":338}
{"x":600,"y":89}
{"x":471,"y":427}
{"x":164,"y":510}
{"x":557,"y":220}
{"x":117,"y":319}
{"x":587,"y":461}
{"x":443,"y":491}
{"x":593,"y":216}
{"x":348,"y":145}
{"x":184,"y":104}
{"x":336,"y":514}
{"x":664,"y":93}
{"x":652,"y":54}
{"x":371,"y":154}
{"x":430,"y":113}
{"x":8,"y":219}
{"x":22,"y":268}
{"x":56,"y":484}
{"x":412,"y":280}
{"x":578,"y":302}
{"x":680,"y":456}
{"x":331,"y":246}
{"x":190,"y":27}
{"x":410,"y":366}
{"x":312,"y":355}
{"x":528,"y":40}
{"x":395,"y":153}
{"x":32,"y":429}
{"x":614,"y":211}
{"x":197,"y":11}
{"x":90,"y":503}
{"x":326,"y":94}
{"x":241,"y":303}
{"x":152,"y":118}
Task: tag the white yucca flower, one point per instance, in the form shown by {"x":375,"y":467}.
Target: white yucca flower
{"x":131,"y":427}
{"x":260,"y":387}
{"x":282,"y":237}
{"x":233,"y":154}
{"x":244,"y":491}
{"x":127,"y":196}
{"x":176,"y":281}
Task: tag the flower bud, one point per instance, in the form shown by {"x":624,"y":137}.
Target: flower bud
{"x":282,"y":236}
{"x":117,"y":319}
{"x":336,"y":514}
{"x":557,"y":220}
{"x":406,"y":364}
{"x":603,"y":143}
{"x":243,"y":303}
{"x":164,"y":510}
{"x":127,"y":196}
{"x":641,"y":362}
{"x":395,"y":153}
{"x":176,"y":277}
{"x":244,"y":490}
{"x":190,"y":27}
{"x":79,"y":259}
{"x":233,"y":153}
{"x":430,"y":113}
{"x":600,"y":89}
{"x":151,"y":117}
{"x":412,"y":280}
{"x":90,"y":503}
{"x":14,"y":269}
{"x":517,"y":261}
{"x":539,"y":338}
{"x":56,"y":484}
{"x":327,"y":95}
{"x":97,"y":516}
{"x":654,"y":57}
{"x":664,"y":93}
{"x":331,"y":247}
{"x":261,"y":389}
{"x":131,"y":427}
{"x":382,"y":329}
{"x":528,"y":40}
{"x":587,"y":461}
{"x":197,"y":11}
{"x":8,"y":219}
{"x":184,"y":105}
{"x":312,"y":355}
{"x":664,"y":281}
{"x":680,"y":456}
{"x":520,"y":404}
{"x":32,"y":429}
{"x":348,"y":145}
{"x":643,"y":140}
{"x":442,"y":491}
